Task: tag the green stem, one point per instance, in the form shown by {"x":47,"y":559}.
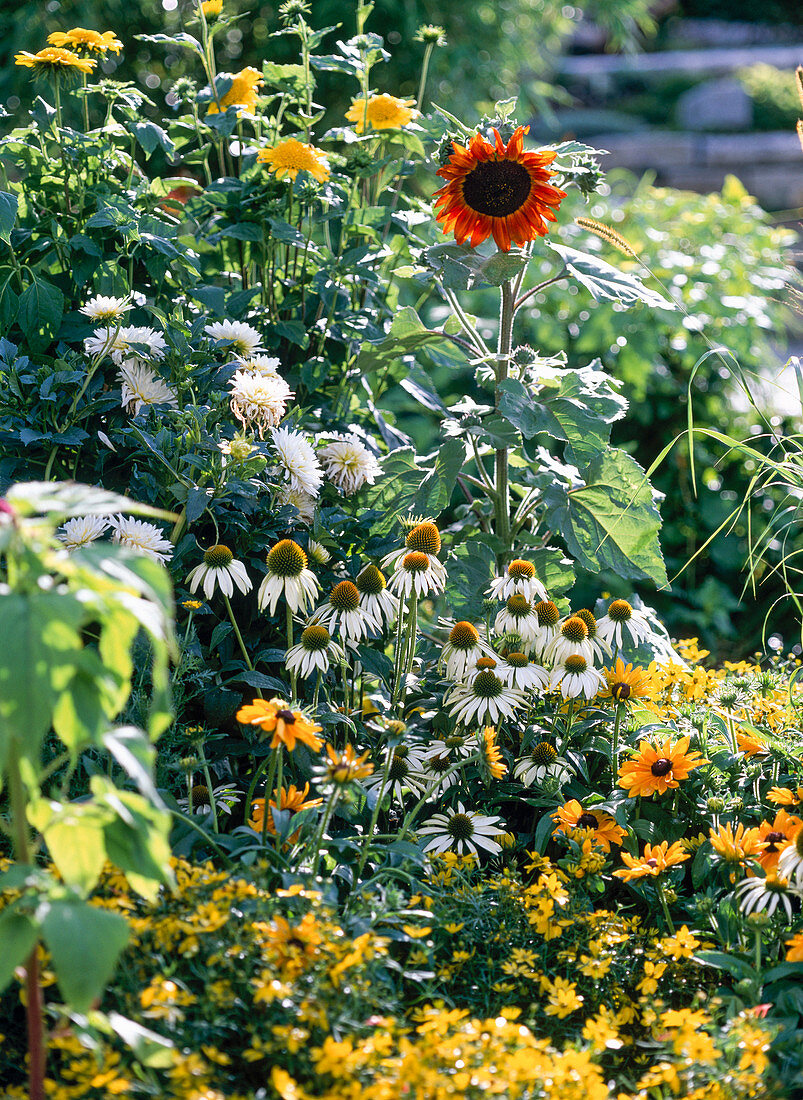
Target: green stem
{"x":422,"y":84}
{"x":327,"y":817}
{"x":317,"y":690}
{"x":410,"y":645}
{"x":249,"y":798}
{"x":757,"y":934}
{"x":293,"y":677}
{"x":659,"y":887}
{"x":411,"y":816}
{"x":274,"y":759}
{"x":375,"y":813}
{"x":240,"y":641}
{"x":615,"y":746}
{"x":188,"y":820}
{"x":208,"y":778}
{"x":504,"y":347}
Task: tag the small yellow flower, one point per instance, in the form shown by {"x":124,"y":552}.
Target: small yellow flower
{"x":242,"y":93}
{"x":289,"y":157}
{"x":381,"y":112}
{"x":212,"y":8}
{"x":54,"y":61}
{"x":79,"y":38}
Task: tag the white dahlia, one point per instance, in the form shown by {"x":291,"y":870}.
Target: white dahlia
{"x":140,"y":385}
{"x":258,"y":400}
{"x":299,"y":460}
{"x":136,"y":534}
{"x":237,"y":335}
{"x":349,"y":464}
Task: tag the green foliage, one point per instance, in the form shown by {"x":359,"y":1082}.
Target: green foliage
{"x":774,"y":94}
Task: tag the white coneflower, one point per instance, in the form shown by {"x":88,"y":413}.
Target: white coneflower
{"x":462,"y":830}
{"x":575,"y":677}
{"x":375,"y":599}
{"x":548,"y":617}
{"x":599,"y":645}
{"x":288,"y":576}
{"x":424,"y":538}
{"x":136,"y":534}
{"x":349,"y":464}
{"x":304,"y":503}
{"x":414,"y":573}
{"x":541,"y":760}
{"x":518,"y":617}
{"x":406,"y":772}
{"x":220,"y":569}
{"x":463,"y":650}
{"x":620,"y":617}
{"x":259,"y":400}
{"x":127,"y":342}
{"x":261,"y":364}
{"x":318,"y":553}
{"x":344,"y":611}
{"x":237,"y":335}
{"x":314,"y":652}
{"x":570,"y":639}
{"x":442,"y":755}
{"x":520,"y":672}
{"x":140,"y":385}
{"x":520,"y":579}
{"x":790,"y":863}
{"x":299,"y":460}
{"x":82,"y":530}
{"x":106,"y":308}
{"x":484,"y":701}
{"x":764,"y":895}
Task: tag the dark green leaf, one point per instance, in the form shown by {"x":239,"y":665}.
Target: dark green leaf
{"x":9,"y":205}
{"x":18,"y":935}
{"x":608,"y":283}
{"x":85,"y":943}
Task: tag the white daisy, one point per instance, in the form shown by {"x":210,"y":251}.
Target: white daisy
{"x":220,"y":569}
{"x":519,"y":579}
{"x":519,"y":672}
{"x":304,"y":503}
{"x":518,"y":617}
{"x":240,"y":337}
{"x":463,"y":649}
{"x":375,"y":599}
{"x":406,"y":772}
{"x":140,"y":385}
{"x":575,"y":677}
{"x":128,"y":342}
{"x":790,"y":864}
{"x":314,"y":652}
{"x":463,"y":831}
{"x":548,"y":618}
{"x":288,"y":576}
{"x":261,"y":364}
{"x":349,"y":464}
{"x":318,"y":553}
{"x":82,"y":530}
{"x":620,"y":617}
{"x":259,"y":399}
{"x":415,"y":572}
{"x":571,"y":639}
{"x":484,"y":701}
{"x":758,"y":895}
{"x":299,"y":460}
{"x":345,"y":612}
{"x":105,"y":308}
{"x":139,"y":535}
{"x":541,"y":760}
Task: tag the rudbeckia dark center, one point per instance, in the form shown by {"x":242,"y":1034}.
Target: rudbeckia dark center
{"x":661,"y":767}
{"x":773,"y":839}
{"x":286,"y":716}
{"x":497,"y":188}
{"x":587,"y":821}
{"x":620,"y":692}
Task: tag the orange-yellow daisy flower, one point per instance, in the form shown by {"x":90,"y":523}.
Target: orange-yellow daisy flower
{"x":750,"y":745}
{"x":289,"y":157}
{"x":79,"y":38}
{"x":491,"y":755}
{"x":382,"y":112}
{"x":777,"y":835}
{"x":604,"y":830}
{"x":658,"y":768}
{"x":345,"y":767}
{"x":497,"y":190}
{"x":290,"y":798}
{"x":242,"y":93}
{"x":783,"y":796}
{"x":626,"y":683}
{"x":54,"y":60}
{"x":656,"y":859}
{"x":737,"y":845}
{"x":287,"y":726}
{"x":795,"y":945}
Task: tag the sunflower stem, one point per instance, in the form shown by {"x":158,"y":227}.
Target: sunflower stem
{"x":504,"y":346}
{"x":757,"y":934}
{"x":422,"y":84}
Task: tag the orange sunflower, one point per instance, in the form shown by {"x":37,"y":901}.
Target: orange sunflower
{"x":657,"y":768}
{"x":287,"y":726}
{"x":777,"y":835}
{"x":497,"y":190}
{"x":602,"y":827}
{"x":290,"y":798}
{"x":656,"y":858}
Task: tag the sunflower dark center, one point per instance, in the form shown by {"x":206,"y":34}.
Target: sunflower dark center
{"x":773,"y":839}
{"x":661,"y":766}
{"x":587,"y":821}
{"x":286,"y":716}
{"x":620,"y":692}
{"x":497,"y":188}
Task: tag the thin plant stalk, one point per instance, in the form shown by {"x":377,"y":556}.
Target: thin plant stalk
{"x":240,"y":641}
{"x":293,"y":677}
{"x":662,"y":897}
{"x":504,"y":347}
{"x":321,"y":833}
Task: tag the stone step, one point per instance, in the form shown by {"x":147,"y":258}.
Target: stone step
{"x":705,"y":63}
